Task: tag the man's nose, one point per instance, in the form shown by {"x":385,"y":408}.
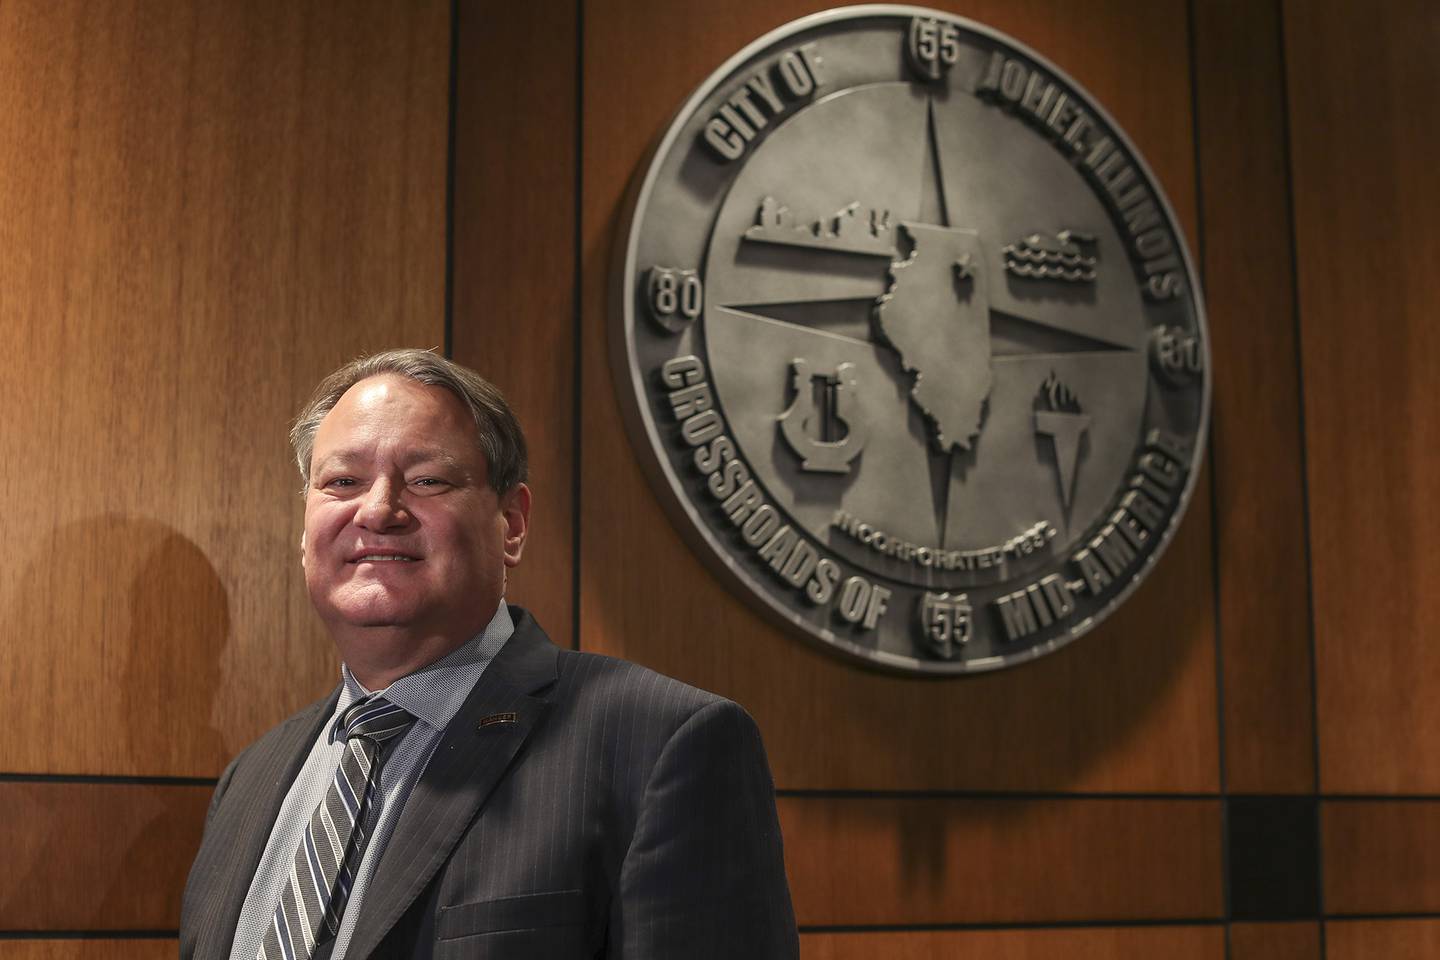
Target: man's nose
{"x":383,"y":507}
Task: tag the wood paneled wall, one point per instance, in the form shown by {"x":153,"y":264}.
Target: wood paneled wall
{"x":1365,"y":250}
{"x":206,"y":206}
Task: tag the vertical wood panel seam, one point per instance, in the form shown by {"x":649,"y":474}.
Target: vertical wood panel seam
{"x":1215,"y":581}
{"x":452,"y":108}
{"x":577,"y":299}
{"x":1296,"y":315}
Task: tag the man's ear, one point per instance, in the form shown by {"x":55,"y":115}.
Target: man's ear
{"x":515,"y":508}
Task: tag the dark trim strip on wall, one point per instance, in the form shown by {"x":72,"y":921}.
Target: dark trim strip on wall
{"x":843,"y":794}
{"x":1380,"y":797}
{"x":108,"y":778}
{"x":834,"y":794}
{"x":1037,"y":925}
{"x":1096,"y":924}
{"x":89,"y":934}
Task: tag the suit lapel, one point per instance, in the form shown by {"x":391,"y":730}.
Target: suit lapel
{"x":469,"y":761}
{"x":241,"y":826}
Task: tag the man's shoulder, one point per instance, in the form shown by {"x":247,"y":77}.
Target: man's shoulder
{"x":600,"y":681}
{"x":616,"y":683}
{"x":621,"y":718}
{"x":621,"y":697}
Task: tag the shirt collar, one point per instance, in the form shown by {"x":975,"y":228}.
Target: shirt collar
{"x":434,"y":694}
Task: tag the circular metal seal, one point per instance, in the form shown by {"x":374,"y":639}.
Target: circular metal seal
{"x":909,"y":341}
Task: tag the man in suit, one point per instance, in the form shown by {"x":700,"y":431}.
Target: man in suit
{"x":470,"y":790}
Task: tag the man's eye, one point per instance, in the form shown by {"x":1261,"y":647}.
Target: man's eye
{"x":340,"y":482}
{"x":428,"y":482}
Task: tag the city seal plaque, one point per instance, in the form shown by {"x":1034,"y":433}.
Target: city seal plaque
{"x":909,"y":341}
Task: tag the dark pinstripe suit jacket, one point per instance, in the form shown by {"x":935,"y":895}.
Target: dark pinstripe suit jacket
{"x":620,"y":814}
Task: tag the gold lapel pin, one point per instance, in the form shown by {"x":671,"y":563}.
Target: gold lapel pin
{"x":495,"y":718}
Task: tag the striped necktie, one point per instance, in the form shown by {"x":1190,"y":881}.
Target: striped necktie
{"x":329,"y":854}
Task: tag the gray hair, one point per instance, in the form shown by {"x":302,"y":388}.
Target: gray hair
{"x":499,"y":434}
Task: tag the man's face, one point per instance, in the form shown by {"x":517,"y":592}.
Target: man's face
{"x":401,"y":526}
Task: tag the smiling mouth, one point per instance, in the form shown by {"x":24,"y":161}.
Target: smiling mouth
{"x":383,"y":558}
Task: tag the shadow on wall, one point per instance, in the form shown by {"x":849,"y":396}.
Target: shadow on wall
{"x":120,"y":624}
{"x":179,"y":628}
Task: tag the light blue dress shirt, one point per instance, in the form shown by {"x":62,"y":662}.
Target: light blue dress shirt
{"x":434,"y":695}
